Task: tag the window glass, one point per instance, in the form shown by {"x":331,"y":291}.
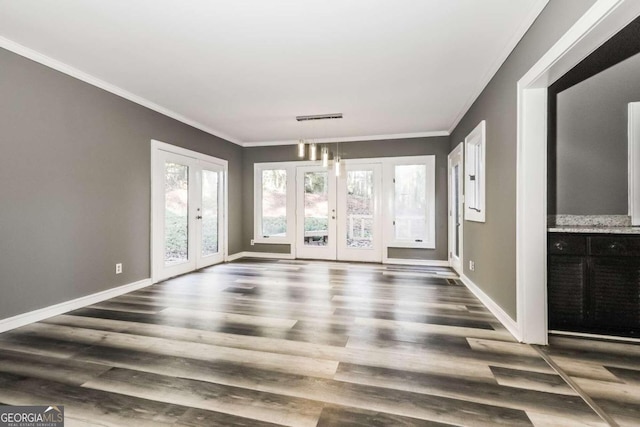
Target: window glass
{"x":316,"y":209}
{"x":176,"y":213}
{"x":274,"y":203}
{"x":360,"y":209}
{"x":210,"y":213}
{"x":410,"y":204}
{"x":475,"y":180}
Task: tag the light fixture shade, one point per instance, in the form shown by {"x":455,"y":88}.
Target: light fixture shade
{"x":325,"y":157}
{"x":313,"y":152}
{"x":337,"y":162}
{"x":301,"y":148}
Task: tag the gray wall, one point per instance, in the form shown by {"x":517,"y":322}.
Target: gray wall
{"x":492,"y":245}
{"x":591,"y":142}
{"x":353,"y":150}
{"x":75,"y":185}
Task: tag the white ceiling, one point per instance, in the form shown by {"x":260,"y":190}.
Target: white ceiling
{"x":243,"y":69}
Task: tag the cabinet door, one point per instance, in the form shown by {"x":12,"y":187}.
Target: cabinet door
{"x":566,"y":287}
{"x":615,"y":295}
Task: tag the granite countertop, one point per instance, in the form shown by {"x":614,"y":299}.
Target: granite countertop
{"x":593,"y":229}
{"x":606,"y":224}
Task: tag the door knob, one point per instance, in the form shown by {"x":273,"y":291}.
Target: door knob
{"x":561,"y":246}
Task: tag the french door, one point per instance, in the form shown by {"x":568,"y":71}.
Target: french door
{"x":456,"y":207}
{"x":316,"y":213}
{"x":188,"y":214}
{"x":339,"y":217}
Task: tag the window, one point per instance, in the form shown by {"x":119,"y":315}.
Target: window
{"x":274,"y":202}
{"x":412,"y":204}
{"x":474,"y":182}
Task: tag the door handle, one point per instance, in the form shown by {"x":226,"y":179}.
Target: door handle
{"x":199,"y":217}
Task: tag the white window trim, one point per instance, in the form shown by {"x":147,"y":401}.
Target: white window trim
{"x":389,"y":165}
{"x":258,"y":237}
{"x":475,"y":145}
{"x":388,"y":169}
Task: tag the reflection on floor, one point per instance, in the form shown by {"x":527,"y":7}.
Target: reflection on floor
{"x":310,"y":343}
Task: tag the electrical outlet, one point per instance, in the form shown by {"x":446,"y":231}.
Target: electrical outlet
{"x":472,"y":266}
{"x":252,"y":242}
{"x":118,"y":268}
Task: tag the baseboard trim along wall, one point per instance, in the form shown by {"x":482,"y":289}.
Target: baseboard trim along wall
{"x":501,"y":315}
{"x":269,"y":255}
{"x":425,"y":262}
{"x":64,"y":307}
{"x":594,"y":336}
{"x":400,"y":261}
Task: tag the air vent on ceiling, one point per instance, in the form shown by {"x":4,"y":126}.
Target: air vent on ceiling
{"x":319,"y":117}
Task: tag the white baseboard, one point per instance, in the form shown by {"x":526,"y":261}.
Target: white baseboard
{"x":501,"y":315}
{"x":64,"y":307}
{"x":594,"y":336}
{"x":269,"y":255}
{"x":234,"y":257}
{"x":426,"y":262}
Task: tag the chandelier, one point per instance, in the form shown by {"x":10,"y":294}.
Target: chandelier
{"x":324,"y":149}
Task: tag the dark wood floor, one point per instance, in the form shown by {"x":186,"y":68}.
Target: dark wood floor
{"x":310,"y":343}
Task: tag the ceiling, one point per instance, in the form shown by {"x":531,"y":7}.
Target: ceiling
{"x":243,"y":70}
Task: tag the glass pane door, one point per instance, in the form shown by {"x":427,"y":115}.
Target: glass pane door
{"x":187,"y":214}
{"x":174,"y":206}
{"x":209,"y":213}
{"x":316,"y":208}
{"x":176,"y":213}
{"x":360,"y":209}
{"x":455,"y":208}
{"x":359,"y":234}
{"x":316,"y":212}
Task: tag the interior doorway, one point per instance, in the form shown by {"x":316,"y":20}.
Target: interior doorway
{"x":188,"y":211}
{"x":338,"y":212}
{"x":456,"y":207}
{"x":594,"y":28}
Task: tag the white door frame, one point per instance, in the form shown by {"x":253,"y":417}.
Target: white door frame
{"x":596,"y":26}
{"x":338,"y":186}
{"x":157,"y":150}
{"x":218,"y":257}
{"x":633,"y":118}
{"x":456,"y":157}
{"x":330,"y":251}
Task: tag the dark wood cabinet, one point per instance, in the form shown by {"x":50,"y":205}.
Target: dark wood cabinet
{"x":594,"y":283}
{"x":567,"y":308}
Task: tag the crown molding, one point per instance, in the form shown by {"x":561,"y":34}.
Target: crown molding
{"x":40,"y":58}
{"x":513,"y":42}
{"x":350,"y":138}
{"x":45,"y":60}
